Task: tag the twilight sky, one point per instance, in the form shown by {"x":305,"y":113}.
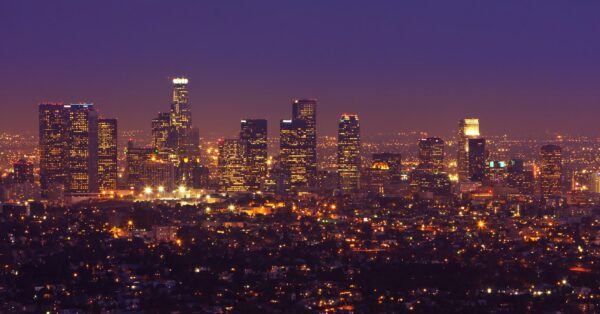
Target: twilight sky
{"x":523,"y":67}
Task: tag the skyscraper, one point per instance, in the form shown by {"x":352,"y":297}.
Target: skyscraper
{"x":232,"y":166}
{"x":161,"y":131}
{"x":23,"y":171}
{"x":431,"y":154}
{"x":135,"y":156}
{"x":468,"y":128}
{"x":293,"y":155}
{"x":107,"y":154}
{"x":306,"y":110}
{"x":181,"y":114}
{"x":157,"y":174}
{"x":476,"y":154}
{"x":391,"y":161}
{"x":348,"y":153}
{"x":53,"y":146}
{"x":82,"y":158}
{"x":254,"y":136}
{"x":550,"y":170}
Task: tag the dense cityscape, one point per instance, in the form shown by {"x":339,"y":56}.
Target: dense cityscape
{"x":95,"y":219}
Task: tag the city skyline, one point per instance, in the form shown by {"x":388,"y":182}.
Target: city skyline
{"x":287,"y":157}
{"x":412,"y":67}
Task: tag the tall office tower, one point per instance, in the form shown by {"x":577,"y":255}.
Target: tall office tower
{"x":348,"y":153}
{"x":595,"y":182}
{"x":254,"y":136}
{"x":431,"y":154}
{"x":53,"y":147}
{"x":306,"y":110}
{"x":157,"y":174}
{"x":467,"y":129}
{"x":161,"y":131}
{"x":107,"y":154}
{"x":550,"y":170}
{"x":189,"y":142}
{"x":232,"y":166}
{"x":392,"y":161}
{"x":476,"y":159}
{"x":518,"y":177}
{"x":295,"y":159}
{"x":82,"y":158}
{"x":135,"y":156}
{"x":201,"y":177}
{"x":23,"y":171}
{"x":186,"y":171}
{"x":181,"y":114}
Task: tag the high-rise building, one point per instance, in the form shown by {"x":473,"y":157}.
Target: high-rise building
{"x":595,"y":182}
{"x":134,"y":157}
{"x":181,"y":114}
{"x":293,"y":155}
{"x":82,"y":160}
{"x":107,"y":154}
{"x":157,"y":174}
{"x":53,"y":146}
{"x":232,"y":166}
{"x":23,"y":171}
{"x":161,"y":131}
{"x":69,"y":148}
{"x":518,"y":177}
{"x":391,"y":161}
{"x":550,"y":170}
{"x":476,"y":160}
{"x":468,"y":128}
{"x":348,"y":153}
{"x":306,"y":110}
{"x":254,"y":136}
{"x":189,"y":142}
{"x":431,"y":154}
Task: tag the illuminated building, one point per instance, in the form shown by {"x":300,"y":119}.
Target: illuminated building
{"x":425,"y":181}
{"x":550,"y":170}
{"x":189,"y":142}
{"x":393,"y":161}
{"x":53,"y":147}
{"x":161,"y":131}
{"x":375,"y":178}
{"x":181,"y":114}
{"x":595,"y":182}
{"x":135,"y":156}
{"x":82,"y":160}
{"x":107,"y":154}
{"x":179,"y":136}
{"x":431,"y":154}
{"x":200,"y":177}
{"x":232,"y":166}
{"x":254,"y":136}
{"x":156,"y":173}
{"x":294,"y":157}
{"x":348,"y":153}
{"x":518,"y":177}
{"x":467,"y":129}
{"x":476,"y":160}
{"x":186,"y":171}
{"x":23,"y":171}
{"x":497,"y":171}
{"x":306,"y":110}
{"x":580,"y":180}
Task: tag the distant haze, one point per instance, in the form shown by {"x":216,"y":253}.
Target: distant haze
{"x":521,"y":67}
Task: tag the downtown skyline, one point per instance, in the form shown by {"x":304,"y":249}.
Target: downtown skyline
{"x":299,"y":157}
{"x":399,"y":66}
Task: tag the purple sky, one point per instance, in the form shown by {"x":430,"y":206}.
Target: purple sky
{"x":523,"y":67}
